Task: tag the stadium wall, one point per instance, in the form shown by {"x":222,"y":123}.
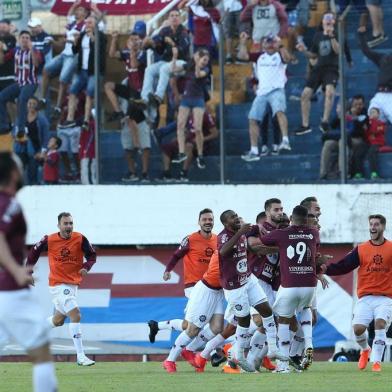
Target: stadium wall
{"x":161,"y":215}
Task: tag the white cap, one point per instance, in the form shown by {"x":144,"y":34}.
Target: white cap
{"x":34,"y":22}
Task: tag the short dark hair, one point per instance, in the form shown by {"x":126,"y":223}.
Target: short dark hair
{"x":25,"y":32}
{"x":63,"y":215}
{"x":268,"y":203}
{"x":223,"y":216}
{"x":308,"y":201}
{"x":7,"y":165}
{"x":357,"y":97}
{"x":261,"y":215}
{"x":59,"y":142}
{"x":205,"y":211}
{"x":175,"y":9}
{"x":6,"y":21}
{"x":300,"y":214}
{"x":380,"y":217}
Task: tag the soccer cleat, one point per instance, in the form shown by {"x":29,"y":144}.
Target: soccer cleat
{"x":200,"y":362}
{"x":376,"y":367}
{"x":230,"y":370}
{"x":364,"y":359}
{"x":217,"y":359}
{"x":153,"y":325}
{"x":189,"y":356}
{"x":226,"y":349}
{"x":307,"y":360}
{"x":267,"y":364}
{"x":169,"y":366}
{"x":250,"y":157}
{"x":84,"y":361}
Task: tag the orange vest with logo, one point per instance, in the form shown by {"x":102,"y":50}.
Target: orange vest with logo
{"x":65,"y":259}
{"x":375,"y":269}
{"x":198,"y":257}
{"x":211,"y":276}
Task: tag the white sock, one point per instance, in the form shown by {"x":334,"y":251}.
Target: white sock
{"x":297,"y":343}
{"x":242,"y":338}
{"x":254,"y":150}
{"x":182,"y":340}
{"x":212,"y":345}
{"x":175,"y":325}
{"x":362,"y":340}
{"x":270,"y":330}
{"x":204,"y":336}
{"x":379,"y":342}
{"x":50,"y":322}
{"x":284,"y":339}
{"x":264,"y":351}
{"x":285,"y":139}
{"x":44,"y":377}
{"x":306,"y":325}
{"x":256,"y":345}
{"x":76,"y":333}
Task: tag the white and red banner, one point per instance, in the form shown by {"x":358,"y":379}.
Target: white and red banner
{"x":115,"y":7}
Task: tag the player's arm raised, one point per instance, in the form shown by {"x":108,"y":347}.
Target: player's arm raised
{"x":227,"y":248}
{"x":344,"y":266}
{"x":35,"y":251}
{"x":90,"y":255}
{"x":180,"y":252}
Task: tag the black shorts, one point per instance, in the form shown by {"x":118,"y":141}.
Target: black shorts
{"x":322,"y":77}
{"x":125,"y":92}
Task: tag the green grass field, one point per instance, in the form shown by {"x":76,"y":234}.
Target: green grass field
{"x":141,"y":377}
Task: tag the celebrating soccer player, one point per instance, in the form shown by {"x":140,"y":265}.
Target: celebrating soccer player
{"x":66,"y":249}
{"x":374,"y":289}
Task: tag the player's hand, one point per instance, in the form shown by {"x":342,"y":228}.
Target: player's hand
{"x":263,"y":230}
{"x":322,"y":259}
{"x":83,"y":272}
{"x":166,"y":276}
{"x":362,"y":29}
{"x":245,"y":228}
{"x":323,"y":268}
{"x":23,"y":275}
{"x":323,"y":280}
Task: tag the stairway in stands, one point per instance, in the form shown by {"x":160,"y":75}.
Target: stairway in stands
{"x":299,"y":166}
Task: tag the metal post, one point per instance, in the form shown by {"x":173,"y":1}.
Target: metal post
{"x":342,"y":82}
{"x":222,"y":103}
{"x":97,"y":100}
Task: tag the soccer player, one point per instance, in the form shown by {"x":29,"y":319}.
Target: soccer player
{"x":196,"y":250}
{"x":298,"y":245}
{"x":241,"y":288}
{"x":66,"y":249}
{"x":312,"y":205}
{"x":20,"y":314}
{"x":205,"y":306}
{"x":374,"y":289}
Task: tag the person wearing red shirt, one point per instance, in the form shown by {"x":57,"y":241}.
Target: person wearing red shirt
{"x":52,"y":160}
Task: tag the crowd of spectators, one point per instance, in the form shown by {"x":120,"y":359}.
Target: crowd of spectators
{"x":55,"y":139}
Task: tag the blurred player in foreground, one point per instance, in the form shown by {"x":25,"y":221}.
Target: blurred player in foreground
{"x":20,"y":314}
{"x":66,"y":249}
{"x":374,"y":289}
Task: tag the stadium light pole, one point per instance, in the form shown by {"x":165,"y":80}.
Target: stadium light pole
{"x":222,"y":102}
{"x":97,"y":101}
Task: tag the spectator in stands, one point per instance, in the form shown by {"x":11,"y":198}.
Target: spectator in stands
{"x":51,"y":159}
{"x":383,"y":98}
{"x":174,"y":36}
{"x":84,"y":80}
{"x":170,"y":150}
{"x":264,"y":131}
{"x":325,"y":72}
{"x":42,"y":41}
{"x":271,"y":74}
{"x":37,"y":132}
{"x":268,"y":18}
{"x":204,"y":19}
{"x":27,"y":61}
{"x":66,"y":62}
{"x":192,"y":102}
{"x":356,"y":125}
{"x":232,"y":9}
{"x":8,"y":42}
{"x":88,"y":162}
{"x":375,"y":137}
{"x":377,"y":19}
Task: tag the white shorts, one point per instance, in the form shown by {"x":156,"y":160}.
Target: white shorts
{"x":382,"y":102}
{"x":292,"y":299}
{"x":314,"y":302}
{"x":143,"y":133}
{"x":187,"y":293}
{"x":21,"y":319}
{"x":203,"y":304}
{"x":250,"y":294}
{"x":267,"y":288}
{"x":372,"y":307}
{"x":64,"y":297}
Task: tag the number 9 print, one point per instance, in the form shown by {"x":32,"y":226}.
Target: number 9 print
{"x":299,"y":250}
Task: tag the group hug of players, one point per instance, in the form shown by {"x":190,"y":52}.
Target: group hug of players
{"x":268,"y":274}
